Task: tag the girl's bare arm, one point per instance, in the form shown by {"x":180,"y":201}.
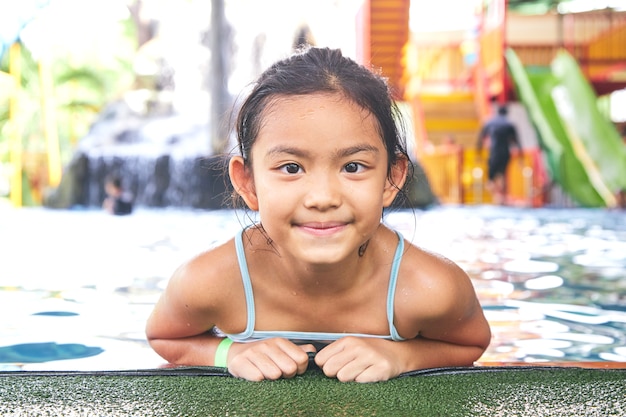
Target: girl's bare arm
{"x":180,"y":326}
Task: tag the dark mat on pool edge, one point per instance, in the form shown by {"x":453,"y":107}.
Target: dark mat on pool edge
{"x":478,"y":391}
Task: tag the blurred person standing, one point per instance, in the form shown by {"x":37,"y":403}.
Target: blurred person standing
{"x":117,"y":201}
{"x":502,"y":136}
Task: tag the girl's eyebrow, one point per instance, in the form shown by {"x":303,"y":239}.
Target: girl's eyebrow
{"x":340,"y":153}
{"x":281,"y":149}
{"x":352,"y":150}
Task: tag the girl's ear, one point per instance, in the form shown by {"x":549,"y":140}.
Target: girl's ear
{"x":243,"y":182}
{"x":396,"y":180}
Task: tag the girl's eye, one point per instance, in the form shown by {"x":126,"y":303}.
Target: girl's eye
{"x":352,"y":167}
{"x":291,"y":168}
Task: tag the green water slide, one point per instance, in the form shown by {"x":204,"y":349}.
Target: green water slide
{"x":584,"y":152}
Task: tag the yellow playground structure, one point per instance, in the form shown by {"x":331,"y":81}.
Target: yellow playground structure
{"x":452,"y":84}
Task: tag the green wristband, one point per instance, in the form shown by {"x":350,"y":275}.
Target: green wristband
{"x":221,"y":353}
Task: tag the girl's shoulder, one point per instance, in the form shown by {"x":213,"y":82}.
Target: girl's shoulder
{"x":434,"y":278}
{"x":424,"y":267}
{"x":431,"y":291}
{"x":208,"y":273}
{"x":420,"y":267}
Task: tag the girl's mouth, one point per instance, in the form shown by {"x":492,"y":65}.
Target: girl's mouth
{"x":322,"y":228}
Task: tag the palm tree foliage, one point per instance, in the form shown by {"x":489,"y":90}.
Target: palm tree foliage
{"x":81,"y":87}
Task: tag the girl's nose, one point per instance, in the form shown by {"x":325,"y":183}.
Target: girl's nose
{"x":324,"y":192}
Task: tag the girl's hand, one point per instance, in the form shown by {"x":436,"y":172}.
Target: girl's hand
{"x":268,"y":359}
{"x":358,"y":359}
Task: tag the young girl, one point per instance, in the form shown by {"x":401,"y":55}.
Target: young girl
{"x":321,"y":155}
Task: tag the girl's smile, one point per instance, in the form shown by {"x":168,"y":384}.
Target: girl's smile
{"x":322,"y":229}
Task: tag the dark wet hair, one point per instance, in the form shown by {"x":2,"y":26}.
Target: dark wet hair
{"x":114,"y":180}
{"x":323,"y":70}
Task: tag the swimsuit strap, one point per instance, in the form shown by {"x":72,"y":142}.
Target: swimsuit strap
{"x":247,"y":286}
{"x":391,"y":293}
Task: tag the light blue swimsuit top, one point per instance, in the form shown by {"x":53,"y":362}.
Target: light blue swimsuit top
{"x":251,"y":335}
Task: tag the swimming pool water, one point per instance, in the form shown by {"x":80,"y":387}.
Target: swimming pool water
{"x":76,"y":287}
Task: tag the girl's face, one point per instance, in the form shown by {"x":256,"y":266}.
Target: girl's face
{"x":319,"y":177}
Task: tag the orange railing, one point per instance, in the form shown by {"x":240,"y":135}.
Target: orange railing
{"x":442,"y":166}
{"x":459,"y":176}
{"x":606,"y":53}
